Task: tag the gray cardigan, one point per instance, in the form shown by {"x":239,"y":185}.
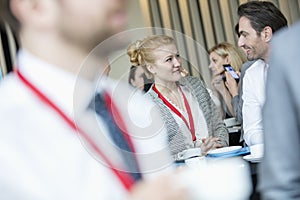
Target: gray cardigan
{"x":212,"y":116}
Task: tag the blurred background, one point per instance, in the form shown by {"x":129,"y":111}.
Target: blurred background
{"x":197,"y":25}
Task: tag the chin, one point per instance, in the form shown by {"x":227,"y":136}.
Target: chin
{"x":251,"y":58}
{"x":177,"y":78}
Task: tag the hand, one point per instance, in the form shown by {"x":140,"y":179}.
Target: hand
{"x":231,"y":84}
{"x":162,"y":188}
{"x":184,"y":72}
{"x":209,"y":144}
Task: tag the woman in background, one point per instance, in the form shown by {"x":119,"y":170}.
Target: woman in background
{"x":138,"y":79}
{"x":192,"y":119}
{"x":224,"y":54}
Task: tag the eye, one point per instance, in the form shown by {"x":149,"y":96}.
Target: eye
{"x":177,"y":55}
{"x":244,"y":34}
{"x":169,"y":59}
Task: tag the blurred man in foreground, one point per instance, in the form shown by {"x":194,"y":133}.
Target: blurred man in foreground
{"x":52,"y":144}
{"x":280,"y":168}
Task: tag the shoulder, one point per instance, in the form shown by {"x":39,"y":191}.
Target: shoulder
{"x":14,"y":96}
{"x":287,"y":38}
{"x":247,"y":64}
{"x":256,"y":68}
{"x":125,"y":94}
{"x":285,"y":47}
{"x":193,"y":82}
{"x":151,"y":93}
{"x":136,"y":107}
{"x":22,"y":111}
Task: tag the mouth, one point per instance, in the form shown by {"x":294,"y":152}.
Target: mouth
{"x":176,"y":70}
{"x":246,"y":49}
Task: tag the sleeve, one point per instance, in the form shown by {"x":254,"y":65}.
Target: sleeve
{"x":214,"y":116}
{"x":237,"y":105}
{"x":219,"y":128}
{"x":252,"y":119}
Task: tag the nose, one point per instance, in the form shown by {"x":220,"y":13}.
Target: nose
{"x":241,"y":42}
{"x":177,"y":62}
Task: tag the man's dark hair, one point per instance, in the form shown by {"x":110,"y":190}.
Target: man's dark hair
{"x":236,"y":29}
{"x":262,"y":14}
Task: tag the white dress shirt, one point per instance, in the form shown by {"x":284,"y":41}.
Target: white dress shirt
{"x":254,"y":98}
{"x":42,"y":157}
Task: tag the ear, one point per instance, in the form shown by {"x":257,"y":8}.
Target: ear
{"x":151,"y":69}
{"x":132,"y":82}
{"x":267,"y":34}
{"x":34,"y":13}
{"x":227,"y":59}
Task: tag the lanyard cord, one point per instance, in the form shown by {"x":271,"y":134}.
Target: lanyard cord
{"x":126,"y":180}
{"x":177,"y":112}
{"x":116,"y":116}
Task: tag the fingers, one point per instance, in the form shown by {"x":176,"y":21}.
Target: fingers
{"x":184,"y":72}
{"x":228,"y":76}
{"x":210,"y":139}
{"x":231,"y":84}
{"x":229,"y":79}
{"x":209,"y":143}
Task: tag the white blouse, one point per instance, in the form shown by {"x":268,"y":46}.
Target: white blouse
{"x":201,"y":130}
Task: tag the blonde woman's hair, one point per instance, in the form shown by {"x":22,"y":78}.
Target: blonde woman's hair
{"x":237,"y":57}
{"x":141,"y":52}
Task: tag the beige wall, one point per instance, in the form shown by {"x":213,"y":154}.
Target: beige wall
{"x":202,"y":23}
{"x":119,"y":61}
{"x":199,"y":24}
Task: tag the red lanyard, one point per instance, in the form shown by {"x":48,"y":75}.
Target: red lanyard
{"x":177,"y":112}
{"x":114,"y":112}
{"x":125,"y":178}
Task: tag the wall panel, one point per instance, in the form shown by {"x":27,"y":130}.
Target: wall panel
{"x":217,"y":22}
{"x":294,"y":10}
{"x":208,"y":22}
{"x":147,"y":14}
{"x":166,"y":16}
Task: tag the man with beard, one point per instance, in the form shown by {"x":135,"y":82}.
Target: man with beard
{"x":258,"y":22}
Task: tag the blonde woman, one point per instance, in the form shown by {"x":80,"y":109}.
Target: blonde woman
{"x":192,"y":119}
{"x":224,"y":54}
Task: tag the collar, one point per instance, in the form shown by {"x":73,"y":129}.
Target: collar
{"x":67,"y":90}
